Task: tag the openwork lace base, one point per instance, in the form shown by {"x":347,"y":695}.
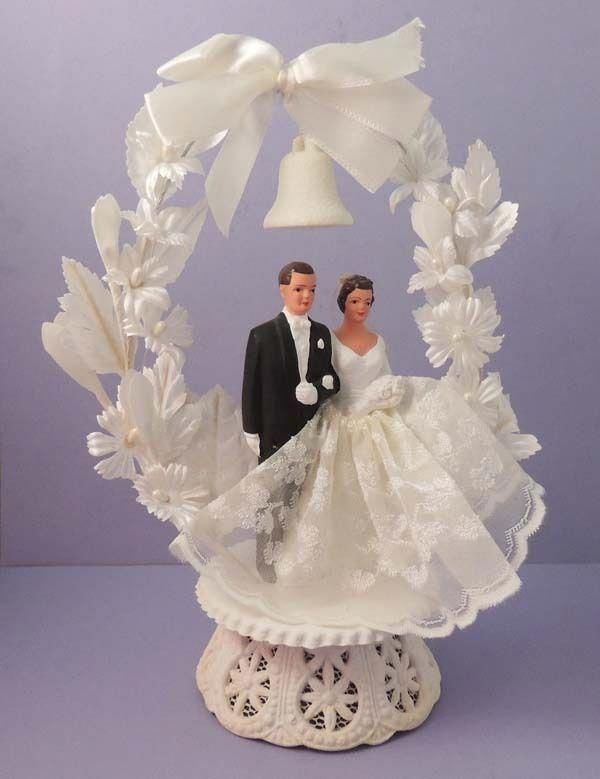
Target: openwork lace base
{"x":331,"y":698}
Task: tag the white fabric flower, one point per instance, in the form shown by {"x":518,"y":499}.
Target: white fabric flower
{"x":171,"y":493}
{"x":159,"y":334}
{"x":159,"y":226}
{"x":142,"y":282}
{"x":121,"y":442}
{"x":424,"y":160}
{"x":460,"y":329}
{"x":173,"y":168}
{"x":128,"y":429}
{"x":438,"y":268}
{"x":155,"y":169}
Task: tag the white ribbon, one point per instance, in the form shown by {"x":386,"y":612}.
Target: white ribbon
{"x":351,"y":99}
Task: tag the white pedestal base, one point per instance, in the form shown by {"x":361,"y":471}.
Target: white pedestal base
{"x":329,"y":698}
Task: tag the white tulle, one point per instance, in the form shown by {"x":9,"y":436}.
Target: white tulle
{"x":396,"y":509}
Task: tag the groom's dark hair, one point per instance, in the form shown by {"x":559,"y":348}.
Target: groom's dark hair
{"x":285,"y":274}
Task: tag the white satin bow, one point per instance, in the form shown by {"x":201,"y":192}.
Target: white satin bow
{"x":351,"y":99}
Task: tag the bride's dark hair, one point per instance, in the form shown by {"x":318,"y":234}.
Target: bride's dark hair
{"x":349,"y":284}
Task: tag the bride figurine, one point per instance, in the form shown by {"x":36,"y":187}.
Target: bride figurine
{"x":401,"y":511}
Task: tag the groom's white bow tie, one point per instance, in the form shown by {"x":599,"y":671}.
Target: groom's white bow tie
{"x":351,"y":99}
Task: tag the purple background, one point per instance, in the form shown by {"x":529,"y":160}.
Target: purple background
{"x":521,"y":76}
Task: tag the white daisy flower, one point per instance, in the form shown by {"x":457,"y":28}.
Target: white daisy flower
{"x":159,"y":334}
{"x":128,"y":430}
{"x":172,"y":493}
{"x":158,"y":226}
{"x":460,"y":329}
{"x":142,"y":282}
{"x":438,"y":268}
{"x":121,"y":442}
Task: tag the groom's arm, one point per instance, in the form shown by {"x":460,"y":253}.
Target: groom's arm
{"x":251,"y":388}
{"x":329,"y":383}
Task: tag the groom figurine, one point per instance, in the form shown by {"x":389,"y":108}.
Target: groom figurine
{"x":288,"y":371}
{"x":287,"y":375}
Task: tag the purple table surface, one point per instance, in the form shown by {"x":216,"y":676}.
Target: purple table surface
{"x":97,"y":680}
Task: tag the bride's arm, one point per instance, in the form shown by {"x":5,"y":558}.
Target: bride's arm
{"x":386,"y":360}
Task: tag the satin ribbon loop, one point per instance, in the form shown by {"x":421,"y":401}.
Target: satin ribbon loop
{"x":350,"y":99}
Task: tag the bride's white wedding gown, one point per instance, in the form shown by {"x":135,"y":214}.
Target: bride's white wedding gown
{"x":395,"y":510}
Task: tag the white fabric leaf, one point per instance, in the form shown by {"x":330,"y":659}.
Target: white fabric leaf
{"x":493,"y":232}
{"x":59,"y":347}
{"x":91,"y":320}
{"x":479,"y":180}
{"x":467,"y":223}
{"x":136,"y":397}
{"x":168,"y":383}
{"x":431,"y":221}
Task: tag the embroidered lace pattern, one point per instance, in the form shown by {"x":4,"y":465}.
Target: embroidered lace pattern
{"x":404,"y":508}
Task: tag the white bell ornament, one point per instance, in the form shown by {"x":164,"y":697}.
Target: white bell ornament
{"x":307,"y":194}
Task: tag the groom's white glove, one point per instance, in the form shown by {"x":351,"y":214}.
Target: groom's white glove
{"x":253,"y":441}
{"x":306,"y":393}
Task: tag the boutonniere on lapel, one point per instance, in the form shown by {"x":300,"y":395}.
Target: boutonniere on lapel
{"x":320,"y":344}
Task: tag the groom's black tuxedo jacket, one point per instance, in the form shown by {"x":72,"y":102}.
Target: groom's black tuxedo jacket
{"x":269,"y":404}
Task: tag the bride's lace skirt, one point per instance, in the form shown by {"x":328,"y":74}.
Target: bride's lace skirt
{"x":403,"y":514}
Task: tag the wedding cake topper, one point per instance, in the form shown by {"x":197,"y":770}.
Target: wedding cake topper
{"x":184,"y":453}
